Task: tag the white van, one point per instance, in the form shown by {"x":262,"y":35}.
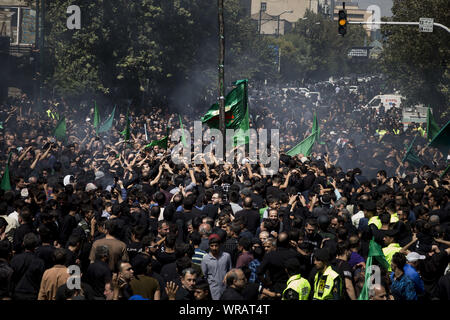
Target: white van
{"x":388,"y":101}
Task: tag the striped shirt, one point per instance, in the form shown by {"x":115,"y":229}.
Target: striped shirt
{"x":198,"y":256}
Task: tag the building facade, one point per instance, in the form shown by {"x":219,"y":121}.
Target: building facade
{"x":275,"y":17}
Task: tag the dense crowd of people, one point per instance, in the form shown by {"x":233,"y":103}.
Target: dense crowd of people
{"x":138,"y":226}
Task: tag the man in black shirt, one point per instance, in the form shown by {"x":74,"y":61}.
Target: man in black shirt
{"x":251,"y":217}
{"x":28,"y":270}
{"x":236,"y":281}
{"x":273,"y":263}
{"x":26,"y":226}
{"x":345,"y":271}
{"x":98,"y":273}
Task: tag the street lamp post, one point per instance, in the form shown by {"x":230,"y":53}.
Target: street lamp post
{"x":278,"y":21}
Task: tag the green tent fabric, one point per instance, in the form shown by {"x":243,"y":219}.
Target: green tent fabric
{"x":236,"y":113}
{"x":411,"y":157}
{"x":96,"y":117}
{"x":376,"y":252}
{"x":107,"y":125}
{"x":432,"y":126}
{"x":60,"y":130}
{"x":126,"y":132}
{"x":5,"y":184}
{"x":442,"y":140}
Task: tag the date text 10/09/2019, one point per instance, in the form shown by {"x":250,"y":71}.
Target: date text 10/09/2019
{"x":232,"y":309}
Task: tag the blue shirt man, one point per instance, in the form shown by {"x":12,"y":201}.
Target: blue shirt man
{"x":410,"y":270}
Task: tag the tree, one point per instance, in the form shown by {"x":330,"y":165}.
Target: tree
{"x":417,"y":62}
{"x":314,"y":50}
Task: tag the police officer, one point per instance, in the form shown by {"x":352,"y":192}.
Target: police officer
{"x":327,"y":282}
{"x":298,"y":288}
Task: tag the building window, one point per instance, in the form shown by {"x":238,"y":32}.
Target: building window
{"x":19,"y":24}
{"x":263,"y":6}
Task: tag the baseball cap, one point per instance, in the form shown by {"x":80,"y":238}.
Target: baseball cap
{"x":90,"y":186}
{"x":214,"y":236}
{"x":67,"y":179}
{"x":24,"y":192}
{"x":414,"y":256}
{"x":99,"y":175}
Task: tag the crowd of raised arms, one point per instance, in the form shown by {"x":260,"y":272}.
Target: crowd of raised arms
{"x":131,"y":224}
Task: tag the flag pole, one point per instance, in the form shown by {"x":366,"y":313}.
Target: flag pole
{"x":221,"y":74}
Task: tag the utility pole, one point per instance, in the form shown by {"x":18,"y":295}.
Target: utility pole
{"x":37,"y":54}
{"x":222,"y":75}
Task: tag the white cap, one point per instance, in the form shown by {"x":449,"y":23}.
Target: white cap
{"x":90,"y":186}
{"x":414,"y":256}
{"x":66,"y":180}
{"x":24,"y":193}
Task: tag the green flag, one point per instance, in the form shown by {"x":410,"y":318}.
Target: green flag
{"x":161,"y":143}
{"x":236,"y":113}
{"x":445,"y":172}
{"x":106,"y":126}
{"x":96,"y":117}
{"x":304,"y":147}
{"x":315,"y":128}
{"x":126,"y":131}
{"x":432,"y":126}
{"x":60,"y":130}
{"x":442,"y":140}
{"x":6,"y":183}
{"x":183,"y":136}
{"x":376,"y":252}
{"x":411,"y":157}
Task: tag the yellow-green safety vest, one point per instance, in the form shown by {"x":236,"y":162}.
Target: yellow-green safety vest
{"x":377,"y":222}
{"x":299,"y":285}
{"x":389,"y":252}
{"x":396,"y":131}
{"x":422,"y":131}
{"x":52,"y":114}
{"x":323,"y":287}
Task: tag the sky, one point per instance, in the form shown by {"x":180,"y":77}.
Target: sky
{"x":385,"y":5}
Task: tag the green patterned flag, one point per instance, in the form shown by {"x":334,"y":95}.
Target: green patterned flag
{"x":432,"y":126}
{"x":96,"y":117}
{"x":6,"y":183}
{"x":411,"y":157}
{"x":106,"y":126}
{"x":376,"y":252}
{"x":126,"y":132}
{"x":236,"y":113}
{"x":60,"y":130}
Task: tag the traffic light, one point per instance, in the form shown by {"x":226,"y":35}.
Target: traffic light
{"x":342,"y":22}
